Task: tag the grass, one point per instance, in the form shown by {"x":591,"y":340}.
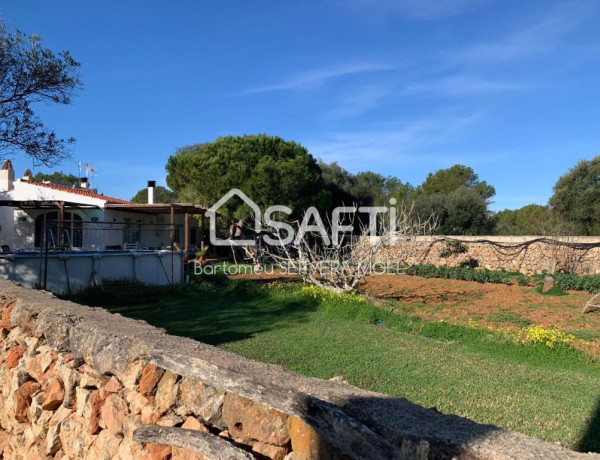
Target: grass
{"x":548,"y":393}
{"x":507,"y":316}
{"x":554,"y":291}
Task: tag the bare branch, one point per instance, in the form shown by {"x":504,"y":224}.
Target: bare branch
{"x":340,"y":266}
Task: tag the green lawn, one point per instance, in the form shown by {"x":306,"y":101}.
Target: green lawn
{"x":550,"y":394}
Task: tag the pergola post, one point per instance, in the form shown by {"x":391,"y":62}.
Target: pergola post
{"x":186,"y":231}
{"x":202,"y":233}
{"x":61,"y":219}
{"x":172,"y":224}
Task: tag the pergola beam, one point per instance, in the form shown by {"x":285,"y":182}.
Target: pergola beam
{"x":33,"y":204}
{"x":160,"y":208}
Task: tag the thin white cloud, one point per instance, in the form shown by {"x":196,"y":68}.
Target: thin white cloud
{"x":541,"y":35}
{"x":317,"y":77}
{"x":359,"y":101}
{"x":422,"y":10}
{"x":399,"y":145}
{"x":461,"y":85}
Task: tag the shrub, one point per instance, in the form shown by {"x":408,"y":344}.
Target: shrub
{"x":453,"y":247}
{"x":461,"y":273}
{"x":573,"y":282}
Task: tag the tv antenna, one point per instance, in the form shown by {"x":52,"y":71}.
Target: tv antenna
{"x":90,"y":171}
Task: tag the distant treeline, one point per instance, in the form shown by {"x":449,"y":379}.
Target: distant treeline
{"x":272,"y":170}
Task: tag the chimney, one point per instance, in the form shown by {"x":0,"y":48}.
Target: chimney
{"x":151,"y":185}
{"x":7,"y":177}
{"x":27,"y":176}
{"x":84,"y":183}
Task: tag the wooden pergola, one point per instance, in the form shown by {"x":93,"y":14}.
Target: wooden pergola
{"x":168,"y":208}
{"x":171,"y":209}
{"x":44,"y":204}
{"x":60,"y":205}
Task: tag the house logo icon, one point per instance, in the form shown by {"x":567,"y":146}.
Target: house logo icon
{"x":212,"y":215}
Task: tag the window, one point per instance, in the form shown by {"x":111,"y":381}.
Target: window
{"x":69,"y":234}
{"x":131,"y":231}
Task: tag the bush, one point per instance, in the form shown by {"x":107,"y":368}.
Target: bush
{"x":562,"y":281}
{"x":573,"y":282}
{"x":461,"y":273}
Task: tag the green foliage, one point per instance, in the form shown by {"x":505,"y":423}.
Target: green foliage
{"x":268,"y":169}
{"x":209,"y":282}
{"x":576,"y":196}
{"x":203,"y":252}
{"x":453,"y":247}
{"x":585,"y":334}
{"x":562,"y":281}
{"x":458,"y":200}
{"x":554,"y":291}
{"x":523,"y":280}
{"x":161,"y":195}
{"x":460,"y":212}
{"x":446,"y":181}
{"x":123,"y":292}
{"x":364,"y":188}
{"x":461,"y":273}
{"x":30,"y":74}
{"x":507,"y":316}
{"x":339,"y":183}
{"x":528,"y":220}
{"x":573,"y":282}
{"x":58,"y":177}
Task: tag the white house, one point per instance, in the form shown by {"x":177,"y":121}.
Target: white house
{"x":46,"y":220}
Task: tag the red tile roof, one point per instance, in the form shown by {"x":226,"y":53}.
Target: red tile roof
{"x":78,"y":191}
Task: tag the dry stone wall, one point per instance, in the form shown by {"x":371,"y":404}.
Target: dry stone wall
{"x":525,"y":254}
{"x":82,"y":383}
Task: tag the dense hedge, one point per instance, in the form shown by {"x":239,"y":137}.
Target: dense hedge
{"x":563,"y":281}
{"x":569,"y":281}
{"x":461,"y":273}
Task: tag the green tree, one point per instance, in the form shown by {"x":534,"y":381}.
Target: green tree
{"x":31,"y":74}
{"x":339,"y":183}
{"x":460,"y":212}
{"x":458,"y":176}
{"x":528,"y":220}
{"x":161,"y":195}
{"x":268,"y":169}
{"x":58,"y":177}
{"x":365,"y":188}
{"x":505,"y":222}
{"x":458,"y":199}
{"x":576,"y":196}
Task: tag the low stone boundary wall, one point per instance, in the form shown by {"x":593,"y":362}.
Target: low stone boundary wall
{"x":525,"y":254}
{"x":79,"y":382}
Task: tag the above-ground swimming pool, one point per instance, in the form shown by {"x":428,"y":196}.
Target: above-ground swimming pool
{"x":72,"y":271}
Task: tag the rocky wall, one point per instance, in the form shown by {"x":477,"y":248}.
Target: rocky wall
{"x":528,"y":255}
{"x":82,"y":383}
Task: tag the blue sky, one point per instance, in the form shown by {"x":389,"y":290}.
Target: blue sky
{"x":400,"y":87}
